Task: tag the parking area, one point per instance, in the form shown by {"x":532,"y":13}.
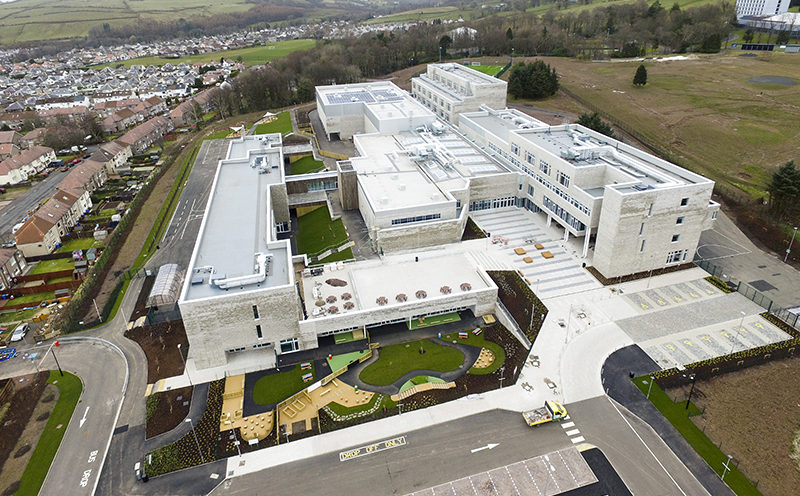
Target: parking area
{"x":546,"y":475}
{"x":552,"y":267}
{"x":683,"y":293}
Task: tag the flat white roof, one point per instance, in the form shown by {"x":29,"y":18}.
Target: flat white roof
{"x":360,"y":93}
{"x":238,"y":221}
{"x":366,"y":281}
{"x":468,"y":74}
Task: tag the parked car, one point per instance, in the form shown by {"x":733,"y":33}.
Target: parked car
{"x":76,"y":161}
{"x":10,"y":244}
{"x":64,"y":169}
{"x":20,"y":332}
{"x":87,"y":155}
{"x":2,"y":190}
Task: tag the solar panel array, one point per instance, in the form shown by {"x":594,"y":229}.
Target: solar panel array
{"x":364,"y":96}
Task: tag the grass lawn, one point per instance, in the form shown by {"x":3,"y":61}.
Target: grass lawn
{"x":434,"y":320}
{"x":46,"y":266}
{"x":282,"y":124}
{"x":317,"y":233}
{"x":17,"y":316}
{"x":218,"y":135}
{"x":34,"y":298}
{"x":491,"y":70}
{"x":340,"y":361}
{"x":81,"y":243}
{"x":342,"y":410}
{"x":306,"y":165}
{"x":277,"y":387}
{"x":346,"y":254}
{"x":677,"y":415}
{"x":69,"y":387}
{"x":399,"y":359}
{"x":479,"y":342}
{"x":257,"y":55}
{"x":420,"y":379}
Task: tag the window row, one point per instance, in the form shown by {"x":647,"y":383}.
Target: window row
{"x":418,"y":218}
{"x":564,"y":215}
{"x":509,"y":201}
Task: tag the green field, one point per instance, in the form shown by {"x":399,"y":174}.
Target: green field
{"x":317,"y":233}
{"x":678,"y":416}
{"x":33,"y":20}
{"x":283,"y":125}
{"x":306,"y":165}
{"x":398,"y":359}
{"x":275,"y":388}
{"x":69,"y":388}
{"x":257,"y":55}
{"x":702,"y":111}
{"x":491,"y":70}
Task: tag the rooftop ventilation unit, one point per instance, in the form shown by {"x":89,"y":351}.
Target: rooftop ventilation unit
{"x":401,"y":187}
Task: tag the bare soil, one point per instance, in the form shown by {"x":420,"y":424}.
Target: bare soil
{"x":160,"y":344}
{"x":27,"y":393}
{"x":15,"y":464}
{"x":754,"y":414}
{"x":170,"y":411}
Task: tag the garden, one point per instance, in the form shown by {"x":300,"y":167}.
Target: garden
{"x":274,"y":388}
{"x":166,"y":410}
{"x":398,"y":359}
{"x":281,"y":123}
{"x":305,"y":165}
{"x":316,"y":232}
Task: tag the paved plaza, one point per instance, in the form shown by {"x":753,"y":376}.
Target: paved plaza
{"x":545,"y":475}
{"x":559,"y":275}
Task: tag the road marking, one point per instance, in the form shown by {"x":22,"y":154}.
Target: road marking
{"x":488,"y":446}
{"x":83,"y":420}
{"x":567,"y":425}
{"x":573,"y":432}
{"x":576,"y":440}
{"x":372,"y":448}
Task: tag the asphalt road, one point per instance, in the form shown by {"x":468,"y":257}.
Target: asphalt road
{"x":21,"y":207}
{"x":178,"y":242}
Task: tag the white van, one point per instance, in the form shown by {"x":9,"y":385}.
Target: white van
{"x":20,"y":332}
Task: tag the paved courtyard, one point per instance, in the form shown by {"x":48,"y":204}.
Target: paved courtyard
{"x":546,"y":475}
{"x":559,"y":275}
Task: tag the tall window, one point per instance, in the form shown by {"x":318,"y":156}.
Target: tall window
{"x":514,"y":149}
{"x":675,"y":238}
{"x":544,"y":167}
{"x":255,"y":311}
{"x":289,"y":345}
{"x":641,"y":229}
{"x":258,"y":332}
{"x":650,"y":210}
{"x":563,"y":179}
{"x":641,"y":248}
{"x":530,"y":158}
{"x":684,"y":202}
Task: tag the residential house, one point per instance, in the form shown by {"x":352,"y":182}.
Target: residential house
{"x":119,"y":121}
{"x":183,"y":114}
{"x":11,"y":137}
{"x":12,"y":264}
{"x":18,"y":168}
{"x":33,"y":137}
{"x":145,"y":134}
{"x":87,"y":176}
{"x":51,"y":222}
{"x":113,"y":155}
{"x":7,"y":150}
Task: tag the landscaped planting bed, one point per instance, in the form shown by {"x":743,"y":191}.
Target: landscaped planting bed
{"x":519,"y":299}
{"x":480,"y":342}
{"x":160,"y":344}
{"x":472,"y":231}
{"x":183,"y":453}
{"x":166,"y":410}
{"x":399,"y":359}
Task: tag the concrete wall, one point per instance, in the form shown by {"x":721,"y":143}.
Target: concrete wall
{"x":419,"y":235}
{"x":215,"y":325}
{"x":348,"y":188}
{"x":618,"y":249}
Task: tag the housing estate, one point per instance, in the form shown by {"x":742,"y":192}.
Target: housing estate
{"x":17,"y":168}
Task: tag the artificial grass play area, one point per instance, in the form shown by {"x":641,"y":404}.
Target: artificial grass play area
{"x":433,"y":320}
{"x":340,"y":361}
{"x":275,"y":388}
{"x":491,"y":70}
{"x":399,"y":359}
{"x":678,"y":416}
{"x":420,"y":379}
{"x":316,"y":232}
{"x":339,"y":409}
{"x":69,"y":390}
{"x":281,"y":124}
{"x":479,"y":342}
{"x":305,"y":165}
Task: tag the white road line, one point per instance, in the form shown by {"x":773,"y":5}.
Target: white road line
{"x":648,"y":449}
{"x":576,"y":440}
{"x":567,"y":425}
{"x":573,"y":432}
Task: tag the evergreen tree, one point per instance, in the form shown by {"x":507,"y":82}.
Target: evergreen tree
{"x":784,"y":192}
{"x":535,"y":80}
{"x":594,"y":122}
{"x":640,"y":78}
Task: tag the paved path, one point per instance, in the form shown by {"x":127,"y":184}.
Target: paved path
{"x":196,"y":409}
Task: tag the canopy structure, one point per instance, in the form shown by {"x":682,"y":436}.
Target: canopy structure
{"x":167,"y":286}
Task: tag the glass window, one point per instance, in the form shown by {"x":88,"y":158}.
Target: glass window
{"x":258,"y":332}
{"x":641,"y":248}
{"x":255,"y":311}
{"x":289,"y":345}
{"x":544,"y":167}
{"x":684,"y":202}
{"x":563,"y":179}
{"x":679,"y":221}
{"x":675,"y":238}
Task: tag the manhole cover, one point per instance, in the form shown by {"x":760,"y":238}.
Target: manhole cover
{"x":762,"y":285}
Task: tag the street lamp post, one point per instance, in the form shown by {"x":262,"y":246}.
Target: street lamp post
{"x":789,"y":250}
{"x":693,"y":378}
{"x":502,"y":371}
{"x":738,"y":331}
{"x":235,"y":439}
{"x":180,"y":353}
{"x":726,"y":467}
{"x":202,"y":459}
{"x":650,"y":387}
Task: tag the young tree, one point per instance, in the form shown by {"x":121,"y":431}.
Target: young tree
{"x":784,"y":192}
{"x":748,"y":36}
{"x":640,"y":78}
{"x":594,"y":122}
